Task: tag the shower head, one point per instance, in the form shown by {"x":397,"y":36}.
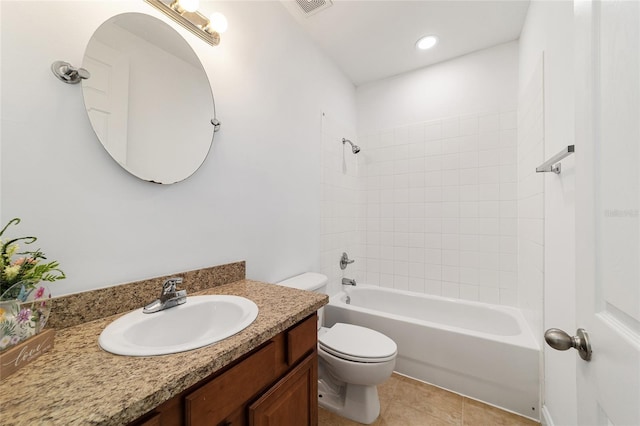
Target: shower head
{"x":354,"y":148}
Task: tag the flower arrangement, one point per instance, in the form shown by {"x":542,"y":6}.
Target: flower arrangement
{"x":24,"y":305}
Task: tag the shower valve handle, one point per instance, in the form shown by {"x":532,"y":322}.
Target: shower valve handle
{"x":344,"y":261}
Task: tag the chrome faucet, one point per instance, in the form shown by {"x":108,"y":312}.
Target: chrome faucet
{"x":169,"y":297}
{"x":348,"y":281}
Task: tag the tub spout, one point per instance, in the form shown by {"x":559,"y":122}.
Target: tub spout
{"x":348,"y":281}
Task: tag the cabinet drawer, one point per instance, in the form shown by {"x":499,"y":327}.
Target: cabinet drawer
{"x":215,"y":401}
{"x":301,"y":339}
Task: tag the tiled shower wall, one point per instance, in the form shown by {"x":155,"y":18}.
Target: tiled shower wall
{"x":531,"y":200}
{"x":438,"y":207}
{"x":339,"y":206}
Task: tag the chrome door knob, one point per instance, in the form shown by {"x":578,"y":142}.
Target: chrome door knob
{"x":560,"y":340}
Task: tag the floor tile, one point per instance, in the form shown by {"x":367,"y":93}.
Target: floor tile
{"x":408,"y":402}
{"x":476,"y":413}
{"x":429,"y":399}
{"x":403,"y":415}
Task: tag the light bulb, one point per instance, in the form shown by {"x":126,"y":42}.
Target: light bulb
{"x":427,"y":42}
{"x":217,"y":22}
{"x":190,"y":5}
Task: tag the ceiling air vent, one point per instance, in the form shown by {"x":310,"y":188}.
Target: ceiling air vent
{"x":310,"y":7}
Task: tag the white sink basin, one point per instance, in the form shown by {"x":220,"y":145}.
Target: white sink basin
{"x":199,"y":322}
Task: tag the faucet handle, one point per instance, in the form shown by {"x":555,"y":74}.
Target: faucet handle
{"x":170,"y":285}
{"x":344,"y":261}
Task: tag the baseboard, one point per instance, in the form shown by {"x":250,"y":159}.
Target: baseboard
{"x":545,"y":418}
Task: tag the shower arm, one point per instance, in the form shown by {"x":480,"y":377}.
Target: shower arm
{"x":354,"y":148}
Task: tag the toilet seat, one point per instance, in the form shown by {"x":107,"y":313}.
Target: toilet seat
{"x":358,"y":344}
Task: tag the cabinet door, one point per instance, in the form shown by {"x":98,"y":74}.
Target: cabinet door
{"x":293,"y":401}
{"x":214,"y":402}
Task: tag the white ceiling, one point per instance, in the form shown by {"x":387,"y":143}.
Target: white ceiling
{"x":371,"y":40}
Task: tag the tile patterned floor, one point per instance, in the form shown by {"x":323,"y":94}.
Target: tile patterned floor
{"x":407,"y":402}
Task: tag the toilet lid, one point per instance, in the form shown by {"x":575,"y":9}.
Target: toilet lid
{"x":357,"y":343}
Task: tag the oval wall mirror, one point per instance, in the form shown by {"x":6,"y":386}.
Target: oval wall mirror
{"x":148,"y":98}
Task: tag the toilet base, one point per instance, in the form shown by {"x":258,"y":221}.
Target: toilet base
{"x":355,"y":402}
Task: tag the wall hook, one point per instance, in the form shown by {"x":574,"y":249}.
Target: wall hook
{"x":69,"y":74}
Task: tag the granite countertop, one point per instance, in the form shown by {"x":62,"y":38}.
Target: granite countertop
{"x":77,"y":383}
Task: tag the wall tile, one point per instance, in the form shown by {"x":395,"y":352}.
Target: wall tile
{"x":451,"y":290}
{"x":450,"y":128}
{"x":386,"y":280}
{"x":401,"y":136}
{"x":508,"y":120}
{"x":451,"y":257}
{"x":433,"y":225}
{"x":489,"y":295}
{"x":468,"y":176}
{"x":433,"y":178}
{"x":433,"y":272}
{"x":468,"y":275}
{"x":489,"y":244}
{"x":469,"y":125}
{"x":439,"y":205}
{"x":451,"y":146}
{"x":433,"y":131}
{"x":468,"y":143}
{"x":450,"y":225}
{"x":416,"y":284}
{"x":417,"y":150}
{"x":450,"y":193}
{"x":450,"y":161}
{"x":488,"y":123}
{"x":417,"y":269}
{"x":433,"y":256}
{"x":468,"y":209}
{"x":416,"y":134}
{"x":433,"y":287}
{"x":451,"y":274}
{"x":488,"y":141}
{"x":469,"y":292}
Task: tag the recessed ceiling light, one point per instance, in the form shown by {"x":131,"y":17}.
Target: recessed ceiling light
{"x":426,"y":42}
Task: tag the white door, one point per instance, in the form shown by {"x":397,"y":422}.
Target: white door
{"x":607,"y":209}
{"x":106,"y":95}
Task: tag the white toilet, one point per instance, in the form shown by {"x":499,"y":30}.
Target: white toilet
{"x":352,"y":361}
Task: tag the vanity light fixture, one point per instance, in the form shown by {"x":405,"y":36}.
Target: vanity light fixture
{"x":185,"y":13}
{"x":426,"y":42}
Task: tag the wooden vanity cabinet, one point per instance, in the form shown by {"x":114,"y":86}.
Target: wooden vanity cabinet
{"x":275,"y":384}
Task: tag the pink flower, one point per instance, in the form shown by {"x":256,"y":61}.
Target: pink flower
{"x":22,"y":260}
{"x":39,"y":293}
{"x":24,"y":315}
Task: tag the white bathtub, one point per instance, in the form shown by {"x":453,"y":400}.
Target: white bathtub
{"x":483,"y":351}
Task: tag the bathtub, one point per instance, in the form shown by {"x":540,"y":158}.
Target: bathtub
{"x":482,"y":351}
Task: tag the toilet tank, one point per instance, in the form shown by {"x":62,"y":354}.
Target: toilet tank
{"x":310,"y":281}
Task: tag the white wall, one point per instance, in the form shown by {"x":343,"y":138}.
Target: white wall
{"x":256,"y":196}
{"x":549,"y":29}
{"x":439,"y":150}
{"x":486,"y":80}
